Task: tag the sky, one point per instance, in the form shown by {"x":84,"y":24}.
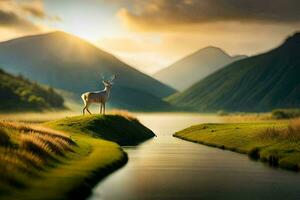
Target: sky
{"x":152,"y":34}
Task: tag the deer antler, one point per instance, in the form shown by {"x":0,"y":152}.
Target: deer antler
{"x":114,"y":77}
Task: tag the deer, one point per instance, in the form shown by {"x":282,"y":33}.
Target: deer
{"x":100,"y":97}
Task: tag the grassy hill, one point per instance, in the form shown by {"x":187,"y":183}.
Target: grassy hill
{"x":124,"y":130}
{"x":67,"y":62}
{"x":194,"y":67}
{"x":20,"y":94}
{"x":259,"y":83}
{"x":38,"y":162}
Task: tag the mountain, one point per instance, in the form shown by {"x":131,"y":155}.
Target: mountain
{"x":20,"y":94}
{"x":192,"y":68}
{"x":67,"y":62}
{"x":259,"y":83}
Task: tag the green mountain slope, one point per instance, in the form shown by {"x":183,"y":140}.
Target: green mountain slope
{"x":193,"y":68}
{"x":19,"y":94}
{"x":258,"y":83}
{"x":70,"y":63}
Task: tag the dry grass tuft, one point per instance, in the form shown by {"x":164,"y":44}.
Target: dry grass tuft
{"x":270,"y":133}
{"x":4,"y":138}
{"x":13,"y":164}
{"x":34,"y":117}
{"x":26,"y":149}
{"x":36,"y":129}
{"x":29,"y":158}
{"x":124,"y":113}
{"x":292,"y":132}
{"x":36,"y":146}
{"x":246,"y":117}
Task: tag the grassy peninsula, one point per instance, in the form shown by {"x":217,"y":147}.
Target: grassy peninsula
{"x":274,"y":142}
{"x":63,"y":159}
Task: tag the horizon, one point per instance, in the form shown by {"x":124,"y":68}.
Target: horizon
{"x":138,"y":35}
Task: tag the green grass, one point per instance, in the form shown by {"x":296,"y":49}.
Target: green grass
{"x":116,"y":128}
{"x":71,"y":173}
{"x":274,"y":142}
{"x":20,"y":94}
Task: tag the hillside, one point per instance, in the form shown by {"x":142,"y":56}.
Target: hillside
{"x":194,"y":67}
{"x":67,"y":62}
{"x":259,"y":83}
{"x":38,"y":162}
{"x":19,"y":94}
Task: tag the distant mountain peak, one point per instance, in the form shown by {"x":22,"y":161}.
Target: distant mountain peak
{"x":257,"y":84}
{"x":212,"y":49}
{"x":194,"y":67}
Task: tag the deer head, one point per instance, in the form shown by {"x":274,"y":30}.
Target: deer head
{"x":109,"y":83}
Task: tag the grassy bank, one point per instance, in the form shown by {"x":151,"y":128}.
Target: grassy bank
{"x":274,"y":142}
{"x":64,"y":158}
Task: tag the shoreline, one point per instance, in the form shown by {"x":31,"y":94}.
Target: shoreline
{"x":97,"y":154}
{"x":84,"y":190}
{"x":282,"y":154}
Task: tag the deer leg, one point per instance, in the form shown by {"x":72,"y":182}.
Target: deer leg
{"x":87,"y":108}
{"x":89,"y":111}
{"x":100,"y":108}
{"x":84,"y":108}
{"x":104,"y":108}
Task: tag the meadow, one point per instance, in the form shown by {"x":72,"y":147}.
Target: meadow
{"x":60,"y":155}
{"x":275,"y":142}
{"x":63,"y":159}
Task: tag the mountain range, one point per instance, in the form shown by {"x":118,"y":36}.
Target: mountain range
{"x":194,"y":67}
{"x":67,"y":62}
{"x":258,"y":83}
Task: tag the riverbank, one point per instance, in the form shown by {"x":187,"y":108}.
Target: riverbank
{"x":274,"y":142}
{"x":93,"y":155}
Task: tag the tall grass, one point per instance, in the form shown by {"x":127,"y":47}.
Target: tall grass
{"x":4,"y":138}
{"x":36,"y":117}
{"x":292,"y":132}
{"x":27,"y":149}
{"x":245,"y":117}
{"x":124,"y":113}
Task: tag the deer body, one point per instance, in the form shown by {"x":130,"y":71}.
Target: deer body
{"x":100,"y":97}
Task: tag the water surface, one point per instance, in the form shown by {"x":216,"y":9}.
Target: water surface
{"x":165,"y":168}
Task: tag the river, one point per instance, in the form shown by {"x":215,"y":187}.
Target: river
{"x":168,"y":168}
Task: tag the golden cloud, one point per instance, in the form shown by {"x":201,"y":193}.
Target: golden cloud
{"x":174,"y":14}
{"x":34,"y":8}
{"x":16,"y":18}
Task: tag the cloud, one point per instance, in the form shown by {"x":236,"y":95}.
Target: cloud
{"x":12,"y":20}
{"x":150,"y":52}
{"x":164,"y":14}
{"x":34,"y":8}
{"x":18,"y":18}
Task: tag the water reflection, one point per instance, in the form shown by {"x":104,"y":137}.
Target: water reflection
{"x":169,"y":168}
